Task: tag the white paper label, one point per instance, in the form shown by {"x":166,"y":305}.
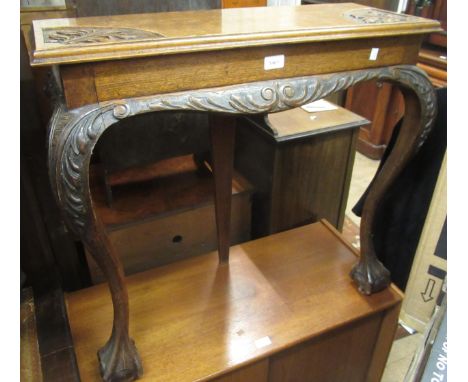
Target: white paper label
{"x":262,"y":342}
{"x":320,"y":105}
{"x":274,"y":62}
{"x":373,"y":54}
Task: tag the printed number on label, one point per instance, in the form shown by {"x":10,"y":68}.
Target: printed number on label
{"x":274,"y":62}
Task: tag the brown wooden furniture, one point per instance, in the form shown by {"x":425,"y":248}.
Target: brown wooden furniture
{"x":433,"y":55}
{"x":381,"y":103}
{"x":271,"y":153}
{"x":384,"y":105}
{"x":433,"y":61}
{"x":157,"y":222}
{"x":48,"y":251}
{"x":260,"y":319}
{"x":134,"y":144}
{"x":434,"y":9}
{"x":226,"y":62}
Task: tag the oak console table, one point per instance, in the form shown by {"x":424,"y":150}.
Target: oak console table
{"x":226,"y":62}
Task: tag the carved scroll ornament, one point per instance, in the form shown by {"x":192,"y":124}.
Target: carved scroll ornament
{"x":74,"y":133}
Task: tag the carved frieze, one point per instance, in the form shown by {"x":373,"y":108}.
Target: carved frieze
{"x":86,"y":35}
{"x":75,"y":133}
{"x":376,"y":16}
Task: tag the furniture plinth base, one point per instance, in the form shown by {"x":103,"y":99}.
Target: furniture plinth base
{"x":269,"y":315}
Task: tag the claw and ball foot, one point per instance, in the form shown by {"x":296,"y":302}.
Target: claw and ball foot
{"x":371,"y":277}
{"x":119,"y":362}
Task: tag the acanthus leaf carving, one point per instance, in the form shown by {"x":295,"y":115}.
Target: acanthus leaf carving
{"x":76,"y":132}
{"x":377,"y":16}
{"x":92,"y":35}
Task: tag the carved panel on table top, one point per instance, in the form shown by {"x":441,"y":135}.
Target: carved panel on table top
{"x":377,"y":16}
{"x":88,"y":35}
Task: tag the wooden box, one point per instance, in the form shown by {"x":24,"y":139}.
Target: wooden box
{"x":169,"y":217}
{"x":258,"y":319}
{"x":275,"y":153}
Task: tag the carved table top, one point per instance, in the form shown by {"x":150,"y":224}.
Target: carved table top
{"x":73,"y":40}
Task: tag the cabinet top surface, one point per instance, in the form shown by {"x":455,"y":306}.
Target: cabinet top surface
{"x":73,"y":40}
{"x":227,"y":312}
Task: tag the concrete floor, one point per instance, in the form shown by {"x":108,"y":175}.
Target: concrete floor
{"x":403,"y":349}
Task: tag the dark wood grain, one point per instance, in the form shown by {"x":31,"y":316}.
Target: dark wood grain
{"x":157,"y":222}
{"x":433,"y":56}
{"x":290,"y":192}
{"x":147,"y":139}
{"x":371,"y":100}
{"x":383,"y":343}
{"x":342,"y":355}
{"x":114,"y":80}
{"x":48,"y":252}
{"x":78,"y":85}
{"x":420,"y":113}
{"x":173,"y":185}
{"x":58,"y":358}
{"x":304,"y":193}
{"x":223,"y":132}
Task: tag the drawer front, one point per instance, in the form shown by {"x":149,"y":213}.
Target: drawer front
{"x":174,"y":237}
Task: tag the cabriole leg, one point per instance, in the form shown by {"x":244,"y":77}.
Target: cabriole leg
{"x":72,"y":138}
{"x":420,"y":108}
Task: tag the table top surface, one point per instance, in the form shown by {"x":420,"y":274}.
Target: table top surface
{"x":74,"y":40}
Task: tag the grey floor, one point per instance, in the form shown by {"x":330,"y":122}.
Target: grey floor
{"x":403,"y":349}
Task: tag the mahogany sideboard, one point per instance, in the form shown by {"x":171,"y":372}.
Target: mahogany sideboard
{"x":226,"y":62}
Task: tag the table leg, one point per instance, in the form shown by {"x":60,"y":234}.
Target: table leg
{"x":222,"y":129}
{"x":420,"y":110}
{"x":72,"y":139}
